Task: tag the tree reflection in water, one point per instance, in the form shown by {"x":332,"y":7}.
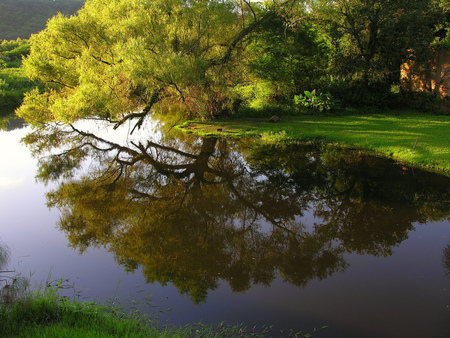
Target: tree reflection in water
{"x":446,"y":260}
{"x":195,"y":213}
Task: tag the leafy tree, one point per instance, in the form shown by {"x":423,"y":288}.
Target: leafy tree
{"x":372,"y":38}
{"x":292,"y":58}
{"x":442,"y":33}
{"x":116,"y":60}
{"x":123,"y":59}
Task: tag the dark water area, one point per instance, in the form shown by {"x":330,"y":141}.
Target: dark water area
{"x":297,"y":236}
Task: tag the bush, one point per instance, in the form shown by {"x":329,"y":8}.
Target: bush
{"x":356,"y":94}
{"x":425,"y":102}
{"x":317,"y":101}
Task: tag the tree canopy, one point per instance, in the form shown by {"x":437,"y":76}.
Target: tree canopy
{"x":373,"y":37}
{"x":116,"y":57}
{"x":117,"y":60}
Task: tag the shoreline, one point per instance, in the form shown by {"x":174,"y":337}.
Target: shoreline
{"x":415,"y":139}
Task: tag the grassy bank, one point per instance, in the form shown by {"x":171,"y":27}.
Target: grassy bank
{"x":420,"y":140}
{"x":45,"y":314}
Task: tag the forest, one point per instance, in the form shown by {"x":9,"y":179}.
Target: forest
{"x":21,"y":18}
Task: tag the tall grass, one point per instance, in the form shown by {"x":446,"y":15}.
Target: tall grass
{"x":44,"y":313}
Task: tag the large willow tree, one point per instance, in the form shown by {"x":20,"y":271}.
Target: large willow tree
{"x":116,"y":59}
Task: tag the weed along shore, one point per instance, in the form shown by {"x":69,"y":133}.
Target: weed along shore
{"x":43,"y":313}
{"x":419,"y":140}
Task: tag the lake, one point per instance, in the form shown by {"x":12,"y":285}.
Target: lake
{"x":293,"y":236}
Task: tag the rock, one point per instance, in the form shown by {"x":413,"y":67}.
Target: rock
{"x":275,"y":119}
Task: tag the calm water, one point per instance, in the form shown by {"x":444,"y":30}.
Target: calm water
{"x":294,"y":236}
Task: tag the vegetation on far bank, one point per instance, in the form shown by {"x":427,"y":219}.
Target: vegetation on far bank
{"x":421,"y":140}
{"x":13,"y":81}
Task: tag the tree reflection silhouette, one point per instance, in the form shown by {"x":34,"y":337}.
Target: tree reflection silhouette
{"x":195,"y":213}
{"x":446,"y":260}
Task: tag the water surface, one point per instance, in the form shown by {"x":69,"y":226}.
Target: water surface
{"x":294,"y":236}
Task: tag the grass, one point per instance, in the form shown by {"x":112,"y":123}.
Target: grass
{"x":413,"y":138}
{"x":43,"y":313}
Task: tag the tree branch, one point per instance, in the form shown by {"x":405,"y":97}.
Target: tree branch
{"x":242,"y":34}
{"x":155,"y":98}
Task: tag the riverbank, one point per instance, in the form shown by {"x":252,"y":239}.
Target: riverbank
{"x":46,"y":314}
{"x":416,"y":139}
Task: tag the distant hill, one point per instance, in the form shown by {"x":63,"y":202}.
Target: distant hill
{"x":21,"y":18}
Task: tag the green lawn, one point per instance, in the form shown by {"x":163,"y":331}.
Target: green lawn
{"x":417,"y":139}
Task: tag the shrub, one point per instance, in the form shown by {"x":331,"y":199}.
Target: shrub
{"x":317,"y":101}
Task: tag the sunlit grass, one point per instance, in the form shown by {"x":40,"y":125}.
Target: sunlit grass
{"x":413,"y":138}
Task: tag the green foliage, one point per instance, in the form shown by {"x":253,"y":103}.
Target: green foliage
{"x":257,"y":95}
{"x":13,"y":86}
{"x":424,"y":102}
{"x":13,"y":81}
{"x":125,"y":59}
{"x":12,"y":52}
{"x":108,"y":61}
{"x":44,"y":313}
{"x":291,"y":58}
{"x":370,"y":39}
{"x":317,"y":100}
{"x":442,"y":25}
{"x":356,"y":93}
